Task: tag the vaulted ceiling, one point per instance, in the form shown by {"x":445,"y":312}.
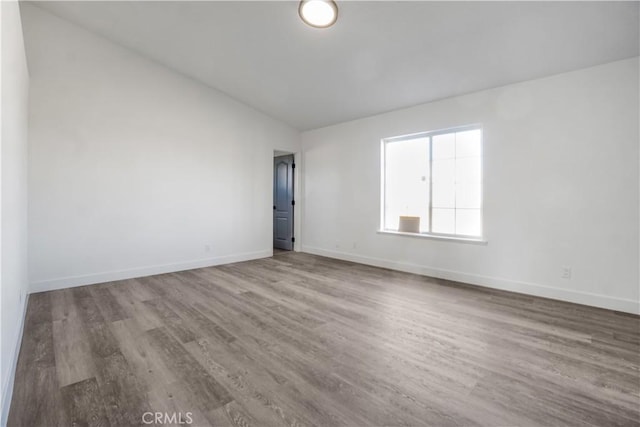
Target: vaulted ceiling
{"x":379,"y":56}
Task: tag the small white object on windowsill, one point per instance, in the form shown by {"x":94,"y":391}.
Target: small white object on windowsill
{"x":409,"y":224}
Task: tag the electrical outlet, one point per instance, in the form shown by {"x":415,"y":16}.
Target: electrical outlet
{"x":207,"y":248}
{"x":565,"y":272}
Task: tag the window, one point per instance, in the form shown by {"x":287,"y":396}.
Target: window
{"x":436,"y":177}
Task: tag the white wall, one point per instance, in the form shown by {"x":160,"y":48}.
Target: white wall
{"x":13,"y":195}
{"x":135,"y":169}
{"x":560,"y":188}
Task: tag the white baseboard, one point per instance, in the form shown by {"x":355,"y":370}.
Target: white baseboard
{"x":595,"y":300}
{"x":110,"y":276}
{"x":7,"y":387}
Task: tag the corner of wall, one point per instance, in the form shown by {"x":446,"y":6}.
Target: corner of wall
{"x":13,"y":197}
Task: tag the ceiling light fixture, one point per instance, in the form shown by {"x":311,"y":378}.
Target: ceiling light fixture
{"x":318,"y":13}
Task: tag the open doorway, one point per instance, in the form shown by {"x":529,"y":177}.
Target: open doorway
{"x":283,"y":201}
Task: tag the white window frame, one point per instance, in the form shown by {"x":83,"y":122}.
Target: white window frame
{"x":430,"y":135}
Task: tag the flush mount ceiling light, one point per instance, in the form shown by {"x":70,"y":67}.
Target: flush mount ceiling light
{"x":318,"y":13}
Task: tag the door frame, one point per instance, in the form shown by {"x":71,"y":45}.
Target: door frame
{"x":297,"y":192}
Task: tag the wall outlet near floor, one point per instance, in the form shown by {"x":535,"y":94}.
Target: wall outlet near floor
{"x":207,"y":248}
{"x":565,"y":272}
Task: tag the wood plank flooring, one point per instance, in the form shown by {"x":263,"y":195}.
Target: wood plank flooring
{"x":302,"y":340}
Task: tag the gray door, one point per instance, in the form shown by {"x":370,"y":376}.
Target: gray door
{"x":283,"y":202}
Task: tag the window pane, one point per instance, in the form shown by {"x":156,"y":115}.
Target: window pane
{"x":467,"y":196}
{"x":468,"y":169}
{"x":444,"y":221}
{"x":406,"y":182}
{"x":468,"y":222}
{"x":468,"y":143}
{"x":444,"y":146}
{"x":468,"y":182}
{"x":444,"y":189}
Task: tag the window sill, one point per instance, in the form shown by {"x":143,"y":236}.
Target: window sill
{"x":478,"y":241}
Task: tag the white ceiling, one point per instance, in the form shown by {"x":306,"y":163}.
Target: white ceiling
{"x":379,"y":56}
